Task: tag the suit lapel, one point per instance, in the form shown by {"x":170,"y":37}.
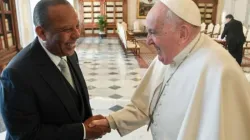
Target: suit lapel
{"x":54,"y":78}
{"x":83,"y":89}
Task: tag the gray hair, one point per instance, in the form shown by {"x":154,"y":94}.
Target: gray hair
{"x":40,"y":14}
{"x":173,"y":19}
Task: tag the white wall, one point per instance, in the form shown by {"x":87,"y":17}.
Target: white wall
{"x":132,"y":5}
{"x":238,"y":8}
{"x":132,"y":12}
{"x":26,"y":27}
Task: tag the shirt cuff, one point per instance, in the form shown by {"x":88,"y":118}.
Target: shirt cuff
{"x":111,"y":121}
{"x":84,"y":132}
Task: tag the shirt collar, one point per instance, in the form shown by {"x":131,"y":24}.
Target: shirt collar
{"x":181,"y":56}
{"x":54,"y":58}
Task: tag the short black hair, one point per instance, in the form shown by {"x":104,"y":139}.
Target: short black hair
{"x":40,"y":14}
{"x":230,"y":16}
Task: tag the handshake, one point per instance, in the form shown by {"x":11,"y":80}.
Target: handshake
{"x":96,"y":127}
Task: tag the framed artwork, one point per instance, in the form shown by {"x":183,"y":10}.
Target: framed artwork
{"x":143,"y":7}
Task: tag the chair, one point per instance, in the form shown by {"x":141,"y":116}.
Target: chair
{"x":216,"y":31}
{"x":203,"y":27}
{"x":128,"y":42}
{"x":210,"y":29}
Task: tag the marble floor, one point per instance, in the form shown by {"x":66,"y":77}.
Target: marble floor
{"x":111,"y":79}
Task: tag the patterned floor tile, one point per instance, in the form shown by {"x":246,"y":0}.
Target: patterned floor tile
{"x":116,"y":108}
{"x":136,"y":79}
{"x":93,"y":74}
{"x":95,"y":64}
{"x":115,"y":96}
{"x":91,"y":87}
{"x":112,"y":68}
{"x":87,"y":62}
{"x":91,"y":80}
{"x":113,"y":73}
{"x":114,"y":87}
{"x":114,"y":79}
{"x":94,"y":68}
{"x":129,"y":64}
{"x":133,"y":73}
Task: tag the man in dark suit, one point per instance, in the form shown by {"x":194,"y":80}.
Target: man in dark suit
{"x":43,"y":94}
{"x":234,"y":37}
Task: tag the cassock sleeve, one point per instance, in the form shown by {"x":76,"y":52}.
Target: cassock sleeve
{"x":136,"y":114}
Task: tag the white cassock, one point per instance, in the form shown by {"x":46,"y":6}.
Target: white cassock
{"x":207,"y":97}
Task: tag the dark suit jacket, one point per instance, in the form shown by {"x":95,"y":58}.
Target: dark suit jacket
{"x":36,"y":100}
{"x":234,"y":32}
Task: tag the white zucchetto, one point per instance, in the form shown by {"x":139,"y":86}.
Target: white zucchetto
{"x":185,"y":9}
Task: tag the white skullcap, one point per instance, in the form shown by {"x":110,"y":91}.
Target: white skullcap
{"x":185,"y":9}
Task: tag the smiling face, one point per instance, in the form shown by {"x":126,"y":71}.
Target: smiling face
{"x":161,"y":34}
{"x":63,"y":30}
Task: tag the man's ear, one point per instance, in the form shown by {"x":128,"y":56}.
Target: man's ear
{"x":40,"y":32}
{"x":184,"y":33}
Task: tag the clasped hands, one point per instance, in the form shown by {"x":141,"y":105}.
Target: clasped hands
{"x":96,"y":127}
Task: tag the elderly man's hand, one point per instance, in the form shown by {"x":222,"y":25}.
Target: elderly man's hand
{"x":103,"y":123}
{"x":93,"y":132}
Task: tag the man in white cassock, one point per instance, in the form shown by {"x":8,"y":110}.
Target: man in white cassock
{"x":194,"y":90}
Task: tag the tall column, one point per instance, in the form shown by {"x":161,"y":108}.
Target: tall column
{"x":247,"y":14}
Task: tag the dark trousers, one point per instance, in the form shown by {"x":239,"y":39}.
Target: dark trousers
{"x":236,"y":50}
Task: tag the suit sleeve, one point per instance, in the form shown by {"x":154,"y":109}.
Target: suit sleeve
{"x":225,"y":31}
{"x":20,"y":111}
